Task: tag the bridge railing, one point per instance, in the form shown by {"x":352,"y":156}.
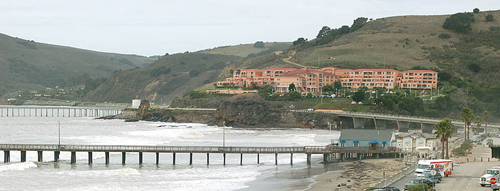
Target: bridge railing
{"x":388,"y":115}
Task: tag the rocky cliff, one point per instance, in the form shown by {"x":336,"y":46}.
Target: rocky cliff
{"x":243,"y":111}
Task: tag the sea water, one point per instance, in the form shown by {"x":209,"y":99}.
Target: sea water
{"x":63,"y":175}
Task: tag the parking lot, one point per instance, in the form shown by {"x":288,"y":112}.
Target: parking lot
{"x":465,"y":176}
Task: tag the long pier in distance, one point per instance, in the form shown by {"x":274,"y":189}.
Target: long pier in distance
{"x":326,"y":151}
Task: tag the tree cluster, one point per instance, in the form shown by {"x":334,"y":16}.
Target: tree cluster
{"x":459,"y":22}
{"x":258,"y":44}
{"x":159,"y":71}
{"x":327,"y":34}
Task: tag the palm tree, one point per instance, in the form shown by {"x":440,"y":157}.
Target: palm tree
{"x":467,"y":116}
{"x":444,"y":130}
{"x":486,"y":116}
{"x":477,"y":121}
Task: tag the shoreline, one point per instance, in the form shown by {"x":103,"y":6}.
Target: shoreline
{"x":357,"y":178}
{"x":293,"y":177}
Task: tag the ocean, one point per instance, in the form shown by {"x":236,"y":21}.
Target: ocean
{"x":63,"y":175}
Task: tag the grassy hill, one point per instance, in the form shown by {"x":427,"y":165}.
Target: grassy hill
{"x":174,"y":75}
{"x":28,"y":65}
{"x":244,"y":50}
{"x":396,"y":42}
{"x":469,"y":63}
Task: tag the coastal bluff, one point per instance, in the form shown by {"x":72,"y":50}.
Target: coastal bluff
{"x":241,"y":111}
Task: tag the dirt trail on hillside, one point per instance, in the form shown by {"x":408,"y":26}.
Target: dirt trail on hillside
{"x":287,"y":60}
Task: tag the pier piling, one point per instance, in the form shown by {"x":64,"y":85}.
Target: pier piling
{"x":224,"y":156}
{"x":106,"y":154}
{"x":173,"y":158}
{"x":23,"y":156}
{"x":90,"y":158}
{"x":276,"y":158}
{"x":6,"y":156}
{"x":40,"y":156}
{"x":308,"y":159}
{"x":140,"y":157}
{"x":73,"y":157}
{"x":56,"y":156}
{"x":124,"y":157}
{"x":157,"y":158}
{"x":190,"y":158}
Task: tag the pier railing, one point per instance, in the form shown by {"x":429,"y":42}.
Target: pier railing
{"x":196,"y":149}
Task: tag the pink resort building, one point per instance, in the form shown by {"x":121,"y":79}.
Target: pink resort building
{"x":312,"y":80}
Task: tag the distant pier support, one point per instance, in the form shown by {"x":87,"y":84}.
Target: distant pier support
{"x":276,"y":158}
{"x":106,"y":157}
{"x":124,"y":157}
{"x":23,"y":156}
{"x":173,"y":158}
{"x":190,"y":158}
{"x":291,"y":158}
{"x":208,"y":158}
{"x":90,"y":158}
{"x":56,"y":155}
{"x":308,"y":159}
{"x":6,"y":156}
{"x":40,"y":156}
{"x":241,"y":158}
{"x":258,"y":158}
{"x":73,"y":157}
{"x":326,"y":158}
{"x":224,"y":156}
{"x":140,"y":158}
{"x":157,"y":158}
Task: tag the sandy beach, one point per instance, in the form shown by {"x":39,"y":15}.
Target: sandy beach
{"x":356,"y":178}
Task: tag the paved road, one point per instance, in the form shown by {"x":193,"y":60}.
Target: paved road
{"x":465,"y":176}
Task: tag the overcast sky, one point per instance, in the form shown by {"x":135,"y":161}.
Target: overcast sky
{"x":156,"y":27}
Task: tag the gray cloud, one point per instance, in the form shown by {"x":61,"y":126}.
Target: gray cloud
{"x":152,"y":27}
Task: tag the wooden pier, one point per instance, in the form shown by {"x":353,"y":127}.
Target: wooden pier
{"x":326,"y":151}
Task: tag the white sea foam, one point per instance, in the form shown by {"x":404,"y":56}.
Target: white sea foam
{"x":148,"y":177}
{"x":16,"y":166}
{"x":103,"y":173}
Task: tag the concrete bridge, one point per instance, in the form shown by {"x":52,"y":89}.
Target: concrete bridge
{"x":327,"y":151}
{"x":359,"y":120}
{"x":57,"y":111}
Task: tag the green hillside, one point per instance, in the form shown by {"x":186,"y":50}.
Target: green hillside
{"x":396,"y":42}
{"x":174,"y":75}
{"x":248,"y":50}
{"x":468,"y":63}
{"x":28,"y":65}
{"x":163,"y":80}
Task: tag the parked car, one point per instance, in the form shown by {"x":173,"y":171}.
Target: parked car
{"x":436,"y":178}
{"x":420,"y":181}
{"x":386,"y":189}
